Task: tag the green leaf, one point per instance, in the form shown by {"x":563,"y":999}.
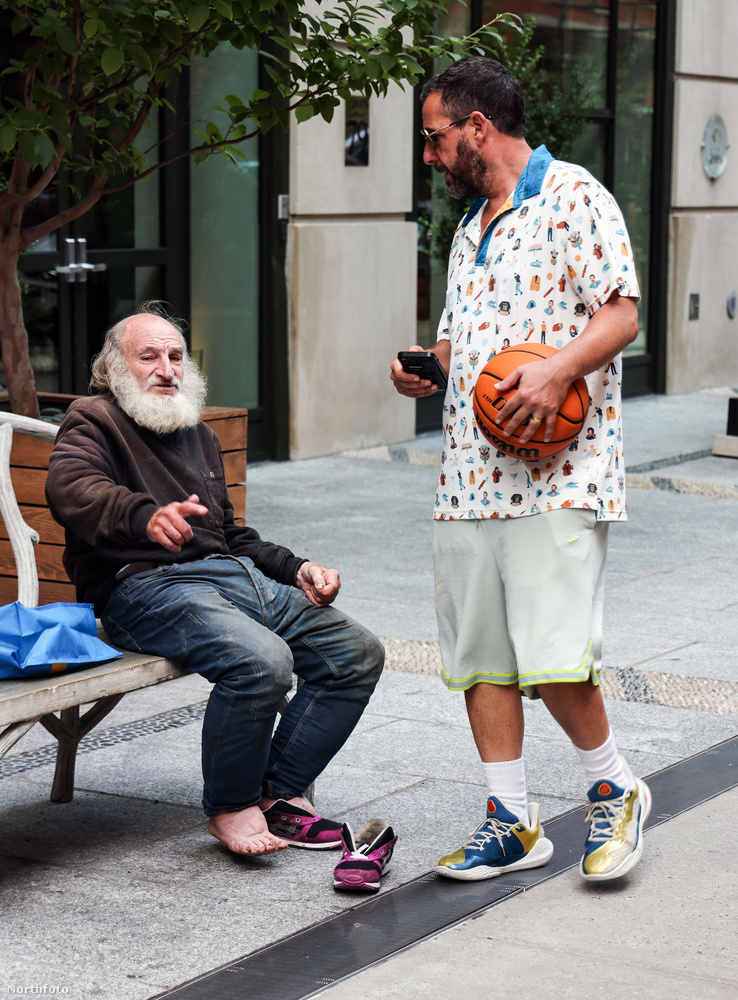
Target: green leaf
{"x":112,"y":60}
{"x":27,"y":148}
{"x":303,"y":112}
{"x":140,"y":56}
{"x":198,"y":16}
{"x":45,"y":150}
{"x":171,"y":32}
{"x":27,"y":118}
{"x":8,"y":136}
{"x":224,"y":9}
{"x":67,"y":41}
{"x":92,"y":26}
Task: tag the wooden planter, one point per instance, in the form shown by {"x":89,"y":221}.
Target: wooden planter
{"x":29,"y":465}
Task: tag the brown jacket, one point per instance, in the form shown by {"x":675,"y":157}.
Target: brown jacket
{"x":107,"y":477}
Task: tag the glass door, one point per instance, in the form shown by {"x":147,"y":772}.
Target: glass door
{"x":81,"y":279}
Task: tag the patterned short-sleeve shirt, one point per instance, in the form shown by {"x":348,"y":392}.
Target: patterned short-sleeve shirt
{"x":554,"y":253}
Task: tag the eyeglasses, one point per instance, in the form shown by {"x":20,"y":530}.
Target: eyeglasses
{"x":430,"y":136}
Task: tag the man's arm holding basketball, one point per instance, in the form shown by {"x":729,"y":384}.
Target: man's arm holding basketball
{"x":412,"y":385}
{"x":542,"y":385}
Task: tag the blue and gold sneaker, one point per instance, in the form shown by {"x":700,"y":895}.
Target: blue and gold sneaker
{"x":616,"y":816}
{"x":501,"y":844}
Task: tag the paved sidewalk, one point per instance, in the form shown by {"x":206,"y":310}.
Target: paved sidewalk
{"x":122,"y":893}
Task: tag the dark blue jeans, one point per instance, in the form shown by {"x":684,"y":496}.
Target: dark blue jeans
{"x":245,"y":633}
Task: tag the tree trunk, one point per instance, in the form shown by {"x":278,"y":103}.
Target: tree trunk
{"x":13,"y":336}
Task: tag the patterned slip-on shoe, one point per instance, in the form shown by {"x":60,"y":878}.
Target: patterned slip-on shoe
{"x":501,"y":844}
{"x":360,"y":870}
{"x":300,"y":828}
{"x":616,"y":816}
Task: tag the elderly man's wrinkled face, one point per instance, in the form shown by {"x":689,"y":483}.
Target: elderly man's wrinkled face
{"x":154,"y":351}
{"x":153,"y":378}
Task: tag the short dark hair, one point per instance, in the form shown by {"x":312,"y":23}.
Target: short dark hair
{"x":480,"y":84}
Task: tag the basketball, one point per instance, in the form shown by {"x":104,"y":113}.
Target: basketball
{"x":488,"y":402}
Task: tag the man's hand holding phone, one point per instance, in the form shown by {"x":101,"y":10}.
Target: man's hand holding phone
{"x":417,"y":373}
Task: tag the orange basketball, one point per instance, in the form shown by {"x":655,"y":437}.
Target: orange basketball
{"x":488,"y":402}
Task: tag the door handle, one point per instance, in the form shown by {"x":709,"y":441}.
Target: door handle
{"x":75,"y":266}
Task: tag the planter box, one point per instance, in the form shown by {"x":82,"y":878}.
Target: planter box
{"x":29,"y":462}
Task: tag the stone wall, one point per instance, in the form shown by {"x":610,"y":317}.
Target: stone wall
{"x":352,"y":275}
{"x":703,"y":351}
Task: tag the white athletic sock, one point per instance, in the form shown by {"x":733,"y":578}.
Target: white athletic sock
{"x":603,"y":764}
{"x":506,"y":781}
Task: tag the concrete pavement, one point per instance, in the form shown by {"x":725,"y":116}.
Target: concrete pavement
{"x":122,"y":893}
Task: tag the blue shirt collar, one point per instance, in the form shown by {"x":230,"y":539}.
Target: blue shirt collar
{"x":529,"y":182}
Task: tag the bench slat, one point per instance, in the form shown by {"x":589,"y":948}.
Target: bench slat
{"x":26,"y":699}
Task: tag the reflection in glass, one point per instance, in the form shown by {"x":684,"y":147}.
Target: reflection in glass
{"x":572,"y":29}
{"x":634,"y":139}
{"x":356,"y":142}
{"x":130,"y":218}
{"x":432,"y":209}
{"x":225,"y":233}
{"x":40,"y":210}
{"x":40,"y":315}
{"x":589,"y":149}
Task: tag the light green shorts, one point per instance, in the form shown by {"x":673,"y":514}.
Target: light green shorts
{"x":519,"y":600}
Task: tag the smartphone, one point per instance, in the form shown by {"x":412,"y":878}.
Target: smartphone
{"x":426,"y":365}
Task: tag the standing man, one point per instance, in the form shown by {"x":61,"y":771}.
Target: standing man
{"x":520,"y":579}
{"x":137,"y":480}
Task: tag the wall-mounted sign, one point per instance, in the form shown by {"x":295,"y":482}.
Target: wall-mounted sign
{"x":715,"y":147}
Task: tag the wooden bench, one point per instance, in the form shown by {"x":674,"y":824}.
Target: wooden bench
{"x":23,"y":703}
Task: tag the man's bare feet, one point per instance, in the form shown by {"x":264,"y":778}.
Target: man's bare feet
{"x":299,"y":801}
{"x":245,"y":832}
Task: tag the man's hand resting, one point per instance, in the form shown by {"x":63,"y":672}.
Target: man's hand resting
{"x":168,"y":526}
{"x":321,"y":585}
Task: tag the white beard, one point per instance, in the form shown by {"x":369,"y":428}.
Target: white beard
{"x":160,"y":414}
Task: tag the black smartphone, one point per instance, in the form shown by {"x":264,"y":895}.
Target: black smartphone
{"x":424,"y":364}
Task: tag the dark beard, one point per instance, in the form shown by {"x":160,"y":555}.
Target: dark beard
{"x":468,"y":174}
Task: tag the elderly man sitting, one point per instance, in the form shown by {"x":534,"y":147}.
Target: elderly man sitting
{"x":137,"y":480}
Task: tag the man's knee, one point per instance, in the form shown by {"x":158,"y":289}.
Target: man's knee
{"x":270,"y":666}
{"x":367,"y":658}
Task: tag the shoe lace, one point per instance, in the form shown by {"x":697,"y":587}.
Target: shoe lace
{"x":604,"y":817}
{"x":490,"y":829}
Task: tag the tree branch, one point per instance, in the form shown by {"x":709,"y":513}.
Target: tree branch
{"x":68,"y":215}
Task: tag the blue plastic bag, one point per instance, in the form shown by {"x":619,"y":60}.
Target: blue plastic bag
{"x":49,"y":639}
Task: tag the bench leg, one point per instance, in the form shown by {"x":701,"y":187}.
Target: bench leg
{"x":10,"y":736}
{"x":69,"y":728}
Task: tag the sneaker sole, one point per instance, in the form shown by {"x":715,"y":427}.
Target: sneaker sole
{"x":357,"y":887}
{"x":540,"y":855}
{"x":326,"y":846}
{"x":632,"y":860}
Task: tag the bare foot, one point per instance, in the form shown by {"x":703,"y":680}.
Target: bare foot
{"x":245,"y":832}
{"x":299,"y":801}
